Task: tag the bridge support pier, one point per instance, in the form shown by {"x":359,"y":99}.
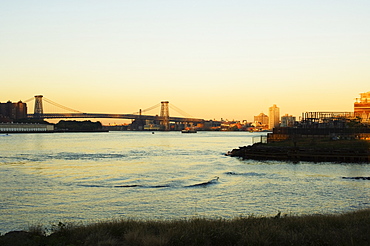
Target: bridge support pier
{"x":165,"y":115}
{"x":38,"y":111}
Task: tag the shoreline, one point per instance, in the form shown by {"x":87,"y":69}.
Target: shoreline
{"x":337,"y":152}
{"x":55,"y":131}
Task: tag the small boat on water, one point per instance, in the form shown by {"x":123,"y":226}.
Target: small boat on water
{"x":189,"y":131}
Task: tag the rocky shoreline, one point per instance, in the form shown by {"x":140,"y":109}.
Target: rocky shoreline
{"x":260,"y":151}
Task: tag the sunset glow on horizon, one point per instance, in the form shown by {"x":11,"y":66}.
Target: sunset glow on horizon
{"x":212,"y":59}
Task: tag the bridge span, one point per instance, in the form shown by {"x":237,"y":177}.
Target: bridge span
{"x":164,"y":117}
{"x":112,"y":116}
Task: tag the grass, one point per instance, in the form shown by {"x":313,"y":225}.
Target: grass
{"x":343,"y":229}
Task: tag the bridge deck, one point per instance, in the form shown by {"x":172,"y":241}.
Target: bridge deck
{"x":115,"y":116}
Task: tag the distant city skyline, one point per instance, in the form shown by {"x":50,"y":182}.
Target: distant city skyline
{"x":18,"y":111}
{"x":361,"y":105}
{"x":213,"y":59}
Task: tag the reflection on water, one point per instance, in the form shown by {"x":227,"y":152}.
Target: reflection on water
{"x":46,"y":178}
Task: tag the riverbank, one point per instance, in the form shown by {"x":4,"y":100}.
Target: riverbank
{"x":344,"y":229}
{"x":313,"y":150}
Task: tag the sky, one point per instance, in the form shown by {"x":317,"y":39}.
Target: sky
{"x":213,"y":59}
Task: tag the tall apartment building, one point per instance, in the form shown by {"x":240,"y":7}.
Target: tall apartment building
{"x":12,"y":111}
{"x":274,"y":117}
{"x":362,"y":107}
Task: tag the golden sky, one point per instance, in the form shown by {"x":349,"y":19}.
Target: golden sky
{"x":212,"y":59}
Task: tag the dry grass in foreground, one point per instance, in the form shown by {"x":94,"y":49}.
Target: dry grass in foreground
{"x":344,"y":229}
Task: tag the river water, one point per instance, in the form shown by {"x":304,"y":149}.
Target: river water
{"x":89,"y":177}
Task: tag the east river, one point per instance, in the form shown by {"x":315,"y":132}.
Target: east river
{"x":90,"y":177}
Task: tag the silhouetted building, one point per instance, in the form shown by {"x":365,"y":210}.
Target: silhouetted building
{"x":13,"y":111}
{"x":325,"y":117}
{"x":362,"y":107}
{"x":274,"y":116}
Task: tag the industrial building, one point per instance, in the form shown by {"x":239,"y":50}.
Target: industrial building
{"x":362,"y":107}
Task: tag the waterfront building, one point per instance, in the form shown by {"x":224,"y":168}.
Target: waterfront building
{"x":262,"y":119}
{"x":152,"y":125}
{"x":13,"y":111}
{"x":24,"y":127}
{"x":362,"y":107}
{"x":261,"y":122}
{"x":287,"y":121}
{"x":274,"y":116}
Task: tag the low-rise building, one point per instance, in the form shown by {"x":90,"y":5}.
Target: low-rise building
{"x":287,"y":121}
{"x":24,"y":127}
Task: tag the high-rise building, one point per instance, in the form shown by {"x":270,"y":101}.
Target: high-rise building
{"x":12,"y":111}
{"x":274,"y":116}
{"x":362,"y":107}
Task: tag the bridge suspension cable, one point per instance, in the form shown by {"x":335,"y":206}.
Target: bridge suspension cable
{"x":182,"y":112}
{"x":178,"y":110}
{"x":61,"y":106}
{"x":150,"y":108}
{"x":29,"y":99}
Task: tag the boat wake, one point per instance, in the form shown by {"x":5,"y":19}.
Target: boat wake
{"x":203,"y":184}
{"x":212,"y":181}
{"x":144,"y":186}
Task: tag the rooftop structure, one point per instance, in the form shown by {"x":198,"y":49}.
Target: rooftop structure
{"x":323,"y":117}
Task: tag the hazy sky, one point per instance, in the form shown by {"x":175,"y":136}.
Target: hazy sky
{"x":213,"y":58}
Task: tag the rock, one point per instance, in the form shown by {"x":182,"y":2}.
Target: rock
{"x":362,"y":178}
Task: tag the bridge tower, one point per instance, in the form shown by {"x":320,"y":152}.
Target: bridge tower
{"x":165,"y":115}
{"x":38,"y":111}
